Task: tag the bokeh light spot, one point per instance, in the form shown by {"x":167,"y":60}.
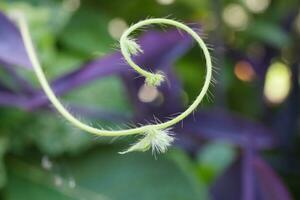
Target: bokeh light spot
{"x":244,"y":71}
{"x":148,"y":94}
{"x":235,"y":16}
{"x":116,"y":27}
{"x":46,"y":163}
{"x":71,"y":5}
{"x":297,"y":23}
{"x":165,"y":2}
{"x":257,"y":6}
{"x":278,"y":83}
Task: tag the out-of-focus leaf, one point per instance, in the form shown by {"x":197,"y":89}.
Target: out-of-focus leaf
{"x":12,"y":50}
{"x":223,"y":126}
{"x":263,"y":184}
{"x":45,"y":22}
{"x":213,"y":159}
{"x":45,"y":130}
{"x":87,"y":32}
{"x":43,"y":185}
{"x":8,"y":98}
{"x":269,"y":33}
{"x":14,"y":80}
{"x":3,"y":87}
{"x":53,"y":136}
{"x":106,"y":175}
{"x":271,"y":186}
{"x":186,"y":164}
{"x":192,"y":74}
{"x":3,"y":149}
{"x":108,"y":94}
{"x":228,"y":186}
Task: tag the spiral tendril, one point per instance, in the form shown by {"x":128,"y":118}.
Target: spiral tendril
{"x":155,"y":136}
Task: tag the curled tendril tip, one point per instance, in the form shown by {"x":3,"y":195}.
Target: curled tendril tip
{"x":157,"y":140}
{"x":132,"y":46}
{"x":155,"y":80}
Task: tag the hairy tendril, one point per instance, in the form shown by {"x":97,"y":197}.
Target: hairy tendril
{"x":155,"y":136}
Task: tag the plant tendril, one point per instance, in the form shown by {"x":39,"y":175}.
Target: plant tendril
{"x":156,"y":136}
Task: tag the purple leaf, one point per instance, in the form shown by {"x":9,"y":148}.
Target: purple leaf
{"x":12,"y":50}
{"x":3,"y":87}
{"x":270,"y":184}
{"x":162,"y":49}
{"x":248,"y":174}
{"x":228,"y":186}
{"x":12,"y":99}
{"x":220,"y":125}
{"x":249,"y":178}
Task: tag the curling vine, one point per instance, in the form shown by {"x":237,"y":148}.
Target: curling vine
{"x":157,"y":137}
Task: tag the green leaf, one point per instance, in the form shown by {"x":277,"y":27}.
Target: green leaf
{"x":54,"y":136}
{"x":213,"y":159}
{"x":107,"y":93}
{"x":87,"y":33}
{"x":104,"y":174}
{"x":189,"y":168}
{"x":3,"y":149}
{"x":269,"y":33}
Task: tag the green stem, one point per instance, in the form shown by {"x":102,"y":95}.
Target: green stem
{"x":63,"y":111}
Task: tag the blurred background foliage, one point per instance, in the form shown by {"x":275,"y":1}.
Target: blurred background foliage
{"x":255,"y":45}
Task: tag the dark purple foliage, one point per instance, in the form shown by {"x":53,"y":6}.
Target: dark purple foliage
{"x":271,"y":186}
{"x":220,"y":125}
{"x":250,"y":178}
{"x":12,"y":50}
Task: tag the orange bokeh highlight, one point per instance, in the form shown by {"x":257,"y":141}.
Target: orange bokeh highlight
{"x":244,"y":71}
